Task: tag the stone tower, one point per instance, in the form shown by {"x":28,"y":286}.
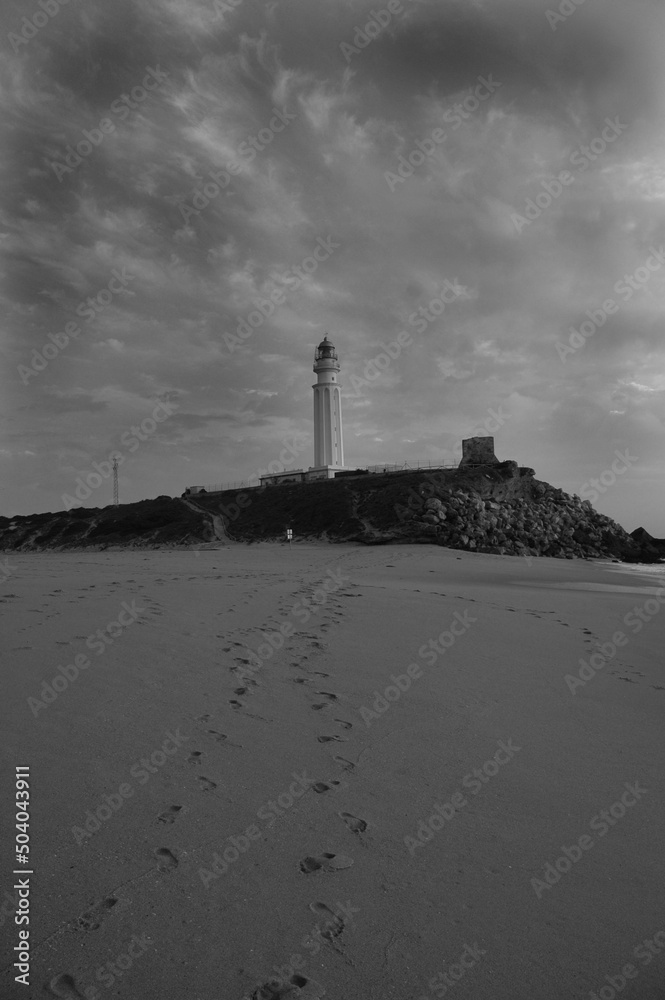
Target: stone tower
{"x":328,"y":443}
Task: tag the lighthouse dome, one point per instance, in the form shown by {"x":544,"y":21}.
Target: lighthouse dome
{"x":326,"y":349}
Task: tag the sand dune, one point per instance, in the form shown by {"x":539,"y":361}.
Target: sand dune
{"x":352,"y":807}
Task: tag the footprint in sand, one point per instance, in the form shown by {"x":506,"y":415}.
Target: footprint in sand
{"x":297,"y":988}
{"x":92,"y":918}
{"x":348,"y":765}
{"x":354,"y":824}
{"x":65,"y":987}
{"x":222,"y":738}
{"x":169,"y":815}
{"x":326,"y":863}
{"x":330,"y":739}
{"x":333,"y":926}
{"x":206,"y":784}
{"x":329,"y":696}
{"x":343,"y":722}
{"x":195,"y":756}
{"x":321,"y":786}
{"x":203,"y":718}
{"x":166,"y":861}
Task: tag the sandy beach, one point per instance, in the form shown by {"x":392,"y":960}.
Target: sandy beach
{"x":357,"y":773}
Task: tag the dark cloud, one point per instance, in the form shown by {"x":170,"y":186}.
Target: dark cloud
{"x":141,"y":202}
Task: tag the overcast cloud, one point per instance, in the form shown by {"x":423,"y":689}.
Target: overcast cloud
{"x":306,"y":133}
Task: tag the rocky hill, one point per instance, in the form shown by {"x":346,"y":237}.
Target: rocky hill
{"x":501,"y":509}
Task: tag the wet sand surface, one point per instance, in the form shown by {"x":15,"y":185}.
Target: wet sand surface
{"x":307,"y":812}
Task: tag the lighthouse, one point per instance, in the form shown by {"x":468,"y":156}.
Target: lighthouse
{"x":328,"y":443}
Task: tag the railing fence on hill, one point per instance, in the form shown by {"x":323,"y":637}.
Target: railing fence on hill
{"x":404,"y":467}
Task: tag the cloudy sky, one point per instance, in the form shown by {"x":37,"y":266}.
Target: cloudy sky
{"x":363,"y":169}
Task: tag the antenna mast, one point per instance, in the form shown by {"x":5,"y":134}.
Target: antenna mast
{"x":115,"y":482}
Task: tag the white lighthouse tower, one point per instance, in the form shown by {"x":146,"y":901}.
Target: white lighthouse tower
{"x":328,"y":443}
